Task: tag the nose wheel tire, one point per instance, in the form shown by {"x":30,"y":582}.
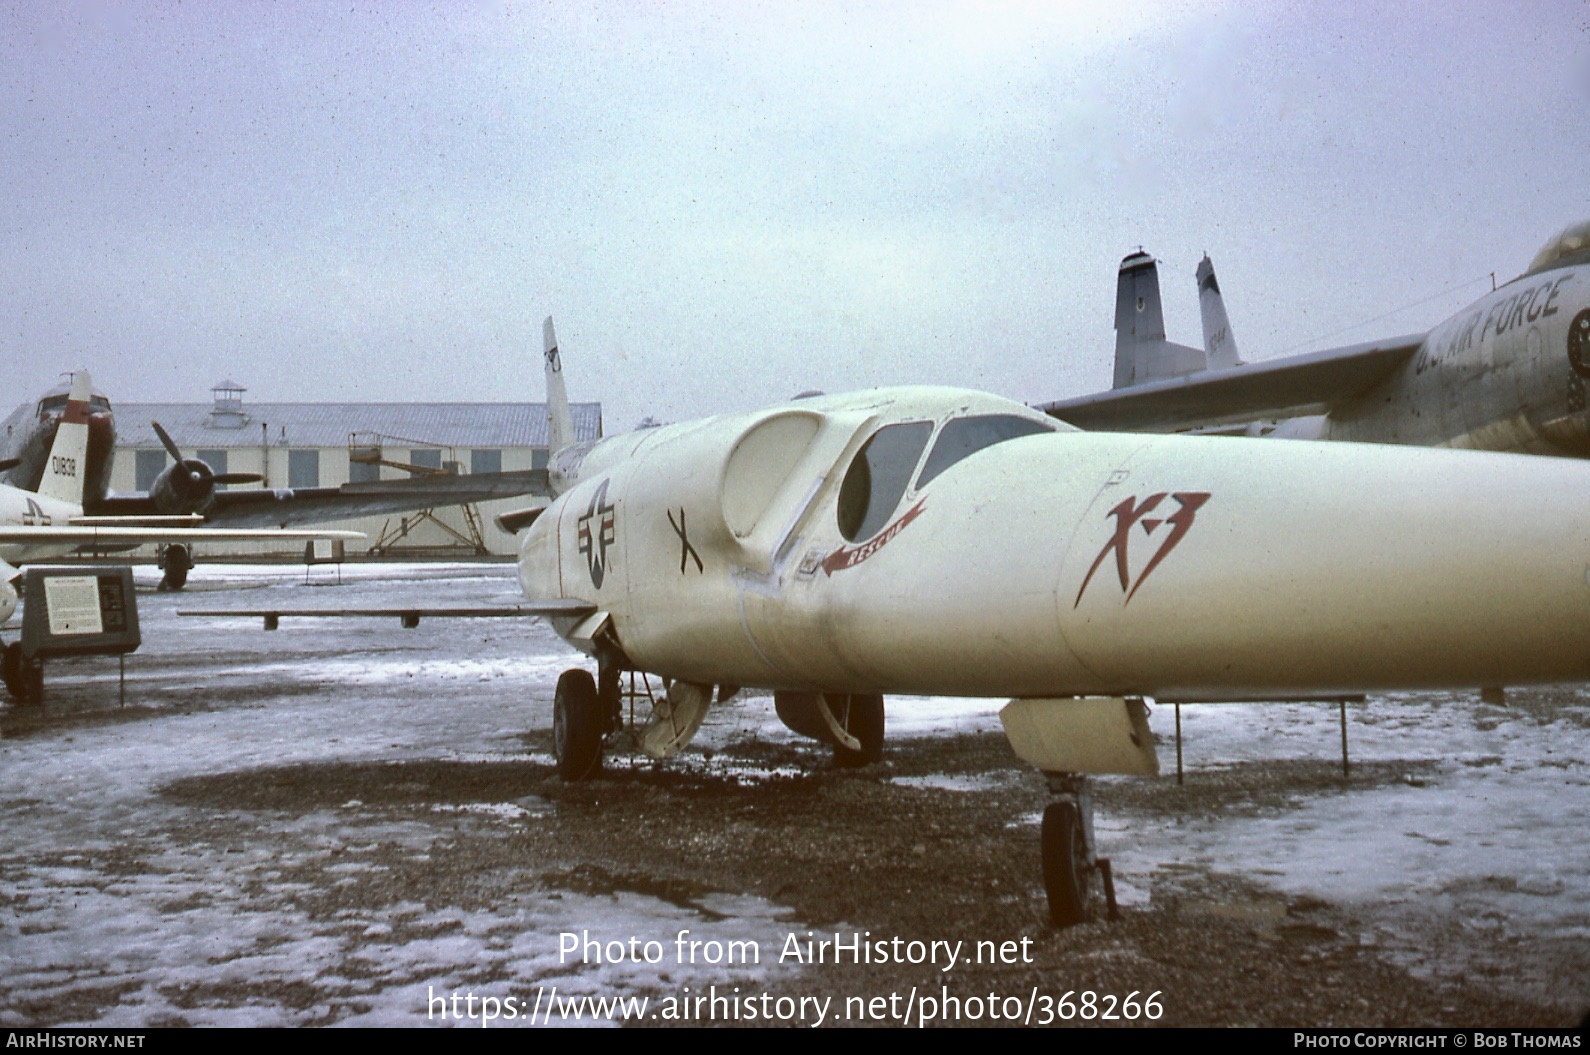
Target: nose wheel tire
{"x":1067,"y":872}
{"x":577,"y":726}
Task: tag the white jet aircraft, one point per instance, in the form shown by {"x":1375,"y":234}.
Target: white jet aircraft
{"x":934,"y":541}
{"x":931,"y":541}
{"x":50,"y":523}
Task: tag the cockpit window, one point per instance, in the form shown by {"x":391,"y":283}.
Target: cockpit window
{"x":50,"y":404}
{"x":878,"y":477}
{"x":1572,"y":246}
{"x":963,"y":437}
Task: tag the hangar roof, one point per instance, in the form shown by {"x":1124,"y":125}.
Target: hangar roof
{"x":203,"y":425}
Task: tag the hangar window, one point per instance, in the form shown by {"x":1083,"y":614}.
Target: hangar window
{"x":303,"y":469}
{"x":485,"y":461}
{"x":878,"y":477}
{"x":216,"y":460}
{"x":963,"y":437}
{"x":148,"y":466}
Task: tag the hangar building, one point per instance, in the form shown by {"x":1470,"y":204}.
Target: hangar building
{"x":327,"y":444}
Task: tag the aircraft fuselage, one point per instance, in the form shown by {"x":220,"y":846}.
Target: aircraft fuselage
{"x":33,"y":448}
{"x":1508,"y":373}
{"x":801,"y":548}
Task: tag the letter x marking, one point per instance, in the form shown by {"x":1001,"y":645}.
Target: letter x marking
{"x":686,"y":550}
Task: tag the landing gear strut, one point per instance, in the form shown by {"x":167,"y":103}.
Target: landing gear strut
{"x":860,"y":715}
{"x":1069,"y":860}
{"x":851,"y":723}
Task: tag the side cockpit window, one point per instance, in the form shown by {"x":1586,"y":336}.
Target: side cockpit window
{"x":878,"y":477}
{"x":963,"y":437}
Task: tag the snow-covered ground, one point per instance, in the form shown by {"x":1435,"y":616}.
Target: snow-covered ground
{"x":108,"y":917}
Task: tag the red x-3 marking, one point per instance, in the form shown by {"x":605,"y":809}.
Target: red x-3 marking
{"x":1131,"y":512}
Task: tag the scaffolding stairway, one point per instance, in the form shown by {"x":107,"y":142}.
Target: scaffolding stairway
{"x":367,"y":448}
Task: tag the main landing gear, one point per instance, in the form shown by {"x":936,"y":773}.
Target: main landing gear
{"x":176,"y":560}
{"x":587,"y":712}
{"x":579,"y":724}
{"x":851,"y":723}
{"x":24,"y":677}
{"x":1069,"y":862}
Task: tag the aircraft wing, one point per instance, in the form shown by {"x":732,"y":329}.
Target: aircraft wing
{"x":92,"y":534}
{"x":1279,"y":388}
{"x":410,"y":617}
{"x":255,"y":507}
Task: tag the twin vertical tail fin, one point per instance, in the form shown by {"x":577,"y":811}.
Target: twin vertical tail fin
{"x":560,"y":420}
{"x":68,"y":461}
{"x":1142,"y":354}
{"x":1219,"y":346}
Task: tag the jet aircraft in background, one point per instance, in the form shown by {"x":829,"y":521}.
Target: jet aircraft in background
{"x":1507,"y":373}
{"x":188,"y":486}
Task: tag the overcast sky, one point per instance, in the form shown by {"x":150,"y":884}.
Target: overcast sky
{"x":725,"y":203}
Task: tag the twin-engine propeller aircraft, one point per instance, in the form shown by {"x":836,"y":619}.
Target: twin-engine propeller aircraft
{"x":935,"y":541}
{"x":1507,"y":373}
{"x":189,"y":487}
{"x":49,"y":522}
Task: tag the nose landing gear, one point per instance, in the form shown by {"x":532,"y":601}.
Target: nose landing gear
{"x":1069,"y":861}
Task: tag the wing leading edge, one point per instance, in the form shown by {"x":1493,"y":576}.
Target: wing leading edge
{"x":1280,"y":388}
{"x":311,"y":505}
{"x":565,"y":608}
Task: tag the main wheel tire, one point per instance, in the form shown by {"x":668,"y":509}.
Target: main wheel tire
{"x":178,"y":562}
{"x":1066,"y":872}
{"x":577,"y":725}
{"x":861,"y":714}
{"x":11,"y":669}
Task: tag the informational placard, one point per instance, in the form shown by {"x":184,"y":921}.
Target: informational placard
{"x":79,"y":611}
{"x":73,"y":603}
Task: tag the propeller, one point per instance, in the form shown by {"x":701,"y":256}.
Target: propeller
{"x":199,"y":472}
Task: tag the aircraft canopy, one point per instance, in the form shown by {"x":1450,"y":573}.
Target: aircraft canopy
{"x":1572,"y":246}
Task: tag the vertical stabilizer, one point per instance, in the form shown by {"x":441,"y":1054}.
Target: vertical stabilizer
{"x":1220,"y":347}
{"x":560,"y":421}
{"x":1138,"y":317}
{"x":68,"y":461}
{"x":1141,"y":352}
